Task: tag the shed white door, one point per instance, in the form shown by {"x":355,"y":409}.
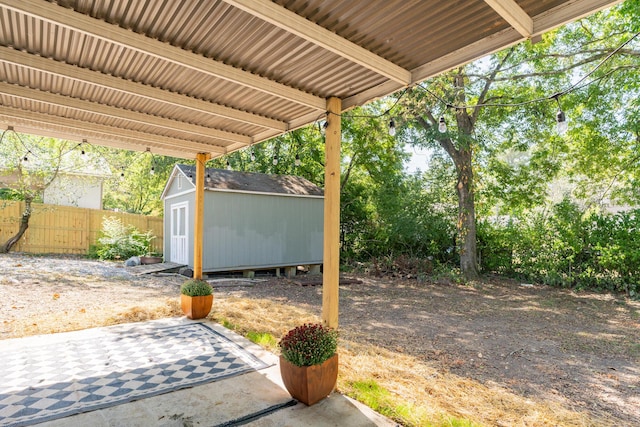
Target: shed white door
{"x":179,"y":227}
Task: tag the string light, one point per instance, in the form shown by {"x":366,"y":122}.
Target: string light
{"x":561,"y":119}
{"x":297,"y":162}
{"x":253,"y":155}
{"x":561,"y":123}
{"x":275,"y":160}
{"x":228,"y":165}
{"x":152,"y":171}
{"x":82,"y":152}
{"x":208,"y":178}
{"x":442,"y":125}
{"x":392,"y":127}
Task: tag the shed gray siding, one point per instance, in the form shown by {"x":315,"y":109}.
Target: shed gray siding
{"x":251,"y":231}
{"x":179,"y":185}
{"x":251,"y":220}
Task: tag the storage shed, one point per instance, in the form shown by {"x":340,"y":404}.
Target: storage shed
{"x":252,"y":221}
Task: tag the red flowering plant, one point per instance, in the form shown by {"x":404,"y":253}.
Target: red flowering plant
{"x":309,"y":344}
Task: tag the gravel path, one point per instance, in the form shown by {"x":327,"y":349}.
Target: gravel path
{"x":58,"y":293}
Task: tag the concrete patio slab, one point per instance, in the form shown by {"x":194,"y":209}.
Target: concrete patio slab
{"x":228,"y":402}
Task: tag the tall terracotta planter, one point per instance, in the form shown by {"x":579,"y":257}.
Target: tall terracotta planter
{"x":310,"y":384}
{"x":196,"y":307}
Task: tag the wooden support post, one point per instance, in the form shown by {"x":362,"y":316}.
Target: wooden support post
{"x":331,"y":249}
{"x":198,"y":222}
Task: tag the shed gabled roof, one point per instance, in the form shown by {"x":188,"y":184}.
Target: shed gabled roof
{"x":251,"y":182}
{"x":191,"y":76}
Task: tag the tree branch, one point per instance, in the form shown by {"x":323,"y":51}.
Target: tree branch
{"x":487,"y":86}
{"x":445,"y":143}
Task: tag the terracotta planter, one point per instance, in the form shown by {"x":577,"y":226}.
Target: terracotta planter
{"x":196,"y":307}
{"x":310,"y":384}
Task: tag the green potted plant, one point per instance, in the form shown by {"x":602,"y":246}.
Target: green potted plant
{"x":309,"y":362}
{"x":149,"y":257}
{"x":196,"y":298}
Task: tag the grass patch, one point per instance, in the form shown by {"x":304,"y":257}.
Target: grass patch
{"x":227,"y":324}
{"x":384,"y":402}
{"x":263,"y":339}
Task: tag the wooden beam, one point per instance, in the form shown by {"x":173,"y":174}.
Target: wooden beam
{"x":198,"y":223}
{"x":120,"y":113}
{"x":67,"y":71}
{"x":331,"y":248}
{"x":569,"y":11}
{"x":69,"y":18}
{"x":466,"y":54}
{"x":74,"y":129}
{"x":34,"y":128}
{"x":293,"y":23}
{"x":511,"y":12}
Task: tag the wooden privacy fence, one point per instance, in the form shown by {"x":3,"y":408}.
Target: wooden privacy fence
{"x":67,"y":229}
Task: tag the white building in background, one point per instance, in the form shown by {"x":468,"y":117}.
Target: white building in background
{"x":79,"y":183}
{"x":75,"y":189}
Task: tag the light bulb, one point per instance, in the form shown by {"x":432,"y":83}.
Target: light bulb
{"x":253,"y":155}
{"x":228,"y":165}
{"x":442,"y":125}
{"x":208,"y":178}
{"x":561,"y":122}
{"x":275,"y":160}
{"x":121,"y":176}
{"x":392,"y":127}
{"x":153,"y":170}
{"x":325,"y":125}
{"x":25,"y":158}
{"x":297,"y":161}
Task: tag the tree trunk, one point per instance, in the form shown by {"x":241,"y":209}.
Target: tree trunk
{"x":24,"y":224}
{"x":466,"y":226}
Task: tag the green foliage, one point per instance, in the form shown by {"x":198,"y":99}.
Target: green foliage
{"x":133,"y":187}
{"x":567,"y":247}
{"x":309,"y":344}
{"x":30,"y":163}
{"x":120,"y":241}
{"x":196,"y":288}
{"x":10,"y":194}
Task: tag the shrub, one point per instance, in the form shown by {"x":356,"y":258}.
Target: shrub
{"x":119,"y":241}
{"x":309,"y":344}
{"x":567,"y":246}
{"x":196,"y":288}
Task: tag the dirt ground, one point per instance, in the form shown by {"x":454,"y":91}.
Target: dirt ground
{"x":580,"y":350}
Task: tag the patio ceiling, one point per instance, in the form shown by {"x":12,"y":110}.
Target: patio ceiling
{"x":192,"y":76}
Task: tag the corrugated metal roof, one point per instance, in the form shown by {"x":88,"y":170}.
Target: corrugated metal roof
{"x":221,"y":179}
{"x":212,"y":77}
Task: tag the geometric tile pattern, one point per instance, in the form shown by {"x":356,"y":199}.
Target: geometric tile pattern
{"x":126,"y":362}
